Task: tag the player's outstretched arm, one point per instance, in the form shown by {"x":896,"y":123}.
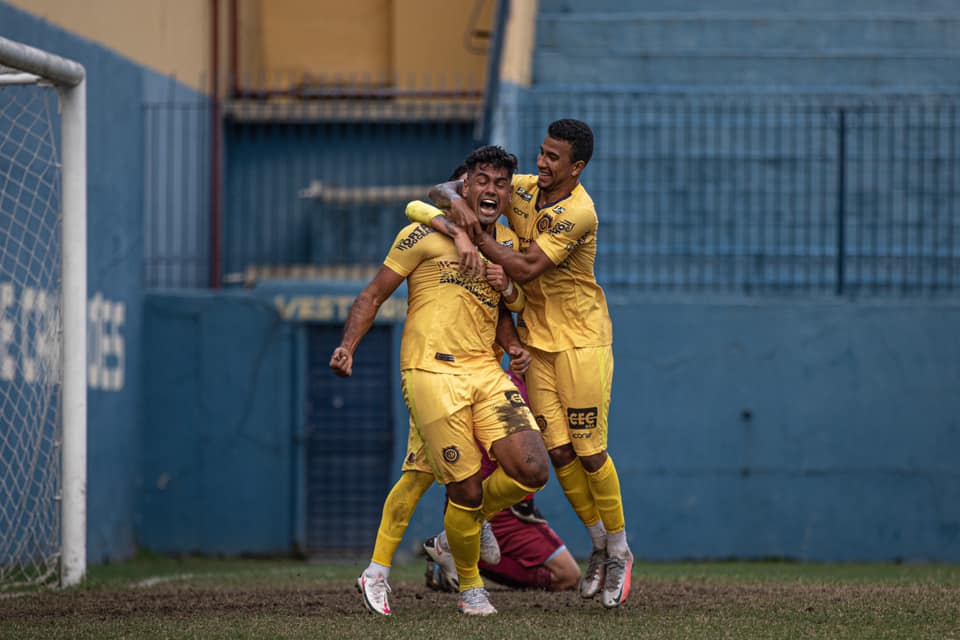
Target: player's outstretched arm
{"x":447,"y":196}
{"x":360,"y":318}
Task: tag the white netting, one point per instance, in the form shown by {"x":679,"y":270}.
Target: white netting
{"x":30,"y":336}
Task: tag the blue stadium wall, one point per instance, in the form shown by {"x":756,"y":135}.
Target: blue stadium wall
{"x":116,"y":91}
{"x":816,"y":430}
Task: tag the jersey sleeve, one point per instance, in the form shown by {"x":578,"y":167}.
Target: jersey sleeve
{"x":574,"y":227}
{"x":408,"y":249}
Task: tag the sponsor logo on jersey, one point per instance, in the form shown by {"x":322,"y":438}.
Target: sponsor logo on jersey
{"x":505,"y":243}
{"x":422,"y":231}
{"x":582,"y":418}
{"x":451,"y":454}
{"x":562,"y":226}
{"x":478,"y":287}
{"x":521,"y":213}
{"x":524,"y":194}
{"x":514,"y":398}
{"x":559,"y":209}
{"x":543,"y":224}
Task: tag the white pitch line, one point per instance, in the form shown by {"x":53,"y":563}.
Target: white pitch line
{"x":150,"y":582}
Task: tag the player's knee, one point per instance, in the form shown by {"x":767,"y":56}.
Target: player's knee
{"x":535,"y":470}
{"x":563,"y":455}
{"x":593,"y":462}
{"x":466,"y":493}
{"x":534,"y":477}
{"x":565,"y":573}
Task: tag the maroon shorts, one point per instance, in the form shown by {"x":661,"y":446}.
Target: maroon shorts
{"x":530,"y":545}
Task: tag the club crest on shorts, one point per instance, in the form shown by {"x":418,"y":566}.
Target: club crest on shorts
{"x":451,"y":454}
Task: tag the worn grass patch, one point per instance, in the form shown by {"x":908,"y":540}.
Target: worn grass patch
{"x":208,"y":598}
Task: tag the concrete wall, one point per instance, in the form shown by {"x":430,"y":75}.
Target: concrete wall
{"x":818,"y":431}
{"x":116,"y":90}
{"x":169,"y":36}
{"x":218,"y":420}
{"x":283,"y":40}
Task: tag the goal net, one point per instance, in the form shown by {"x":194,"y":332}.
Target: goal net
{"x":42,"y":319}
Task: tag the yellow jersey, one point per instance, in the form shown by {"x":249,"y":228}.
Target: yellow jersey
{"x":451,"y":322}
{"x":565,"y":307}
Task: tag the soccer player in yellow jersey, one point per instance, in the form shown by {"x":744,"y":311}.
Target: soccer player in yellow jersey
{"x":566,"y":326}
{"x":454,"y":388}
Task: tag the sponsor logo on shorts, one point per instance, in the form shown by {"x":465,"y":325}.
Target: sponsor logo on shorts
{"x":582,"y":418}
{"x":446,"y":357}
{"x":451,"y":454}
{"x":514,"y":398}
{"x":542,"y":423}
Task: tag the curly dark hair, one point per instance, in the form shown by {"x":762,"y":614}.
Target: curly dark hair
{"x":577,"y":133}
{"x":493,"y":155}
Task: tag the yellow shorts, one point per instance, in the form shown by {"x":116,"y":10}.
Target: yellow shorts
{"x":457,"y":414}
{"x":569,"y":392}
{"x":416,"y":458}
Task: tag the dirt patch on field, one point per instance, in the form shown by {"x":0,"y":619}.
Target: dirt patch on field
{"x":174,"y":599}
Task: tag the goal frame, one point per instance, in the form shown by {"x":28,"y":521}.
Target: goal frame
{"x":35,"y":66}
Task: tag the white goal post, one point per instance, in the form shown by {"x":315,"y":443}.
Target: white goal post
{"x":24,"y":65}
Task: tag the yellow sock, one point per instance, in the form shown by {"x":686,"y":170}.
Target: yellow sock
{"x":500,"y":491}
{"x":605,"y":486}
{"x":463,"y":535}
{"x":577,"y":488}
{"x":397,"y":509}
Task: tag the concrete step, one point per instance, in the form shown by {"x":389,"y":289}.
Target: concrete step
{"x":595,"y":7}
{"x":737,"y":68}
{"x":625,"y":33}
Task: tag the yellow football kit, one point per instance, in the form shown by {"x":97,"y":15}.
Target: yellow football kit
{"x":453,"y":385}
{"x":565,"y":322}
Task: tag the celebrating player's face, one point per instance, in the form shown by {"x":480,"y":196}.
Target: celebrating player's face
{"x":487,"y":191}
{"x":555,"y":165}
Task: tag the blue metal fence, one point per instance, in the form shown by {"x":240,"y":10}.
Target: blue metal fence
{"x":767,"y":194}
{"x":751,"y":194}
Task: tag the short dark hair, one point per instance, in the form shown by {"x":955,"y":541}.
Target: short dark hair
{"x":577,"y":133}
{"x":493,"y":155}
{"x":459,"y":171}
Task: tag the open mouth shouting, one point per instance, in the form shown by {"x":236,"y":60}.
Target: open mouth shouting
{"x":488,"y":208}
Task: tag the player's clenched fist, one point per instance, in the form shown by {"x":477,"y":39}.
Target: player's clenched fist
{"x":341,"y":362}
{"x":519,"y":359}
{"x":496,"y":277}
